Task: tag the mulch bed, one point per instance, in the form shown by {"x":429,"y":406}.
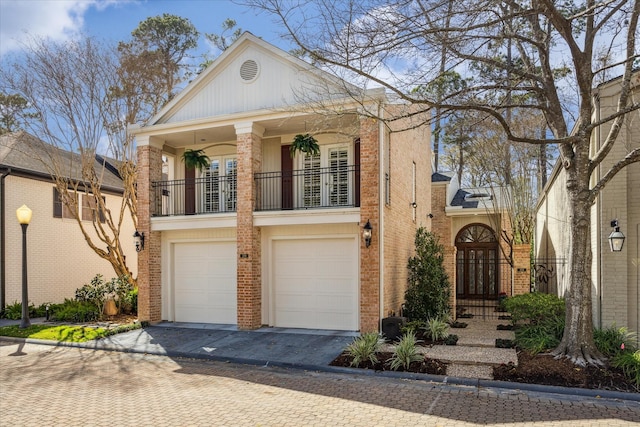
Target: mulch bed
{"x":427,"y":366}
{"x":544,"y":369}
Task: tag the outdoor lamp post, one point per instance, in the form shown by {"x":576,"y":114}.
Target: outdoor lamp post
{"x":367,"y":232}
{"x":616,"y":238}
{"x":24,"y":217}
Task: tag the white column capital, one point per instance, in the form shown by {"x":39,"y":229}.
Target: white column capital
{"x":249,"y":127}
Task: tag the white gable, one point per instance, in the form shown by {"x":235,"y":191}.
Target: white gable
{"x":249,"y":76}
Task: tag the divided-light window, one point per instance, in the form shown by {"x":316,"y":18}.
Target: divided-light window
{"x":88,"y":209}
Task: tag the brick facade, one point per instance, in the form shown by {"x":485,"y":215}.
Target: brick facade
{"x":369,"y":211}
{"x":150,"y":258}
{"x":249,"y":139}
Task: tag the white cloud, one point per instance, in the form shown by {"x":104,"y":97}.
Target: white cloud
{"x":55,"y":19}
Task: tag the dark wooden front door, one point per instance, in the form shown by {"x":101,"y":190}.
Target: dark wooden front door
{"x":477,"y":263}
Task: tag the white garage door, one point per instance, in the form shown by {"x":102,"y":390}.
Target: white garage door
{"x":205,"y":282}
{"x":315,"y":283}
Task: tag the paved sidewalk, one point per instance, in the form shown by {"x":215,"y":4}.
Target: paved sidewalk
{"x":308,"y":350}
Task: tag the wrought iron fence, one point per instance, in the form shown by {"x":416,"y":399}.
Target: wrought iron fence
{"x":548,"y":274}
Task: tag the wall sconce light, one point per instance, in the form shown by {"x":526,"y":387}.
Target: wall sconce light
{"x":138,"y":240}
{"x":367,"y":232}
{"x":616,"y":238}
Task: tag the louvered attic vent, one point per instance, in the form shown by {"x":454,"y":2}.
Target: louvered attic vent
{"x":249,"y":70}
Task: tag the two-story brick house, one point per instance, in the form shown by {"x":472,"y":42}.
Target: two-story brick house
{"x":262,"y":237}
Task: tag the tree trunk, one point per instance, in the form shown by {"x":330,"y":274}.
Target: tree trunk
{"x":577,"y":342}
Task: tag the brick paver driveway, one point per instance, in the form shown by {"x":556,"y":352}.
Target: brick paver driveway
{"x":49,"y":386}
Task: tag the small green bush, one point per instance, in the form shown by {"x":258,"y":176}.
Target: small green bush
{"x":14,"y":311}
{"x":131,"y":301}
{"x":428,"y":289}
{"x":609,"y":340}
{"x":74,"y":311}
{"x":405,"y":353}
{"x":452,"y":339}
{"x":98,"y":291}
{"x":534,"y":307}
{"x":364,"y":348}
{"x":541,"y":336}
{"x":413,"y":326}
{"x":629,"y":362}
{"x":437,"y":329}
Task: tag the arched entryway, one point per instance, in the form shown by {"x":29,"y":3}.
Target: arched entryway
{"x":477,"y":263}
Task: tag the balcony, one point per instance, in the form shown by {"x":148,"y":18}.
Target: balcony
{"x":311,"y":188}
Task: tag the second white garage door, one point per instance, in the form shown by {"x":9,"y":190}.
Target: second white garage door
{"x":315,"y":283}
{"x":205,"y":282}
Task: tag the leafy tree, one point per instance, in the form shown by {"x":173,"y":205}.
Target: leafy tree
{"x":397,"y":45}
{"x":14,"y":111}
{"x":68,"y":86}
{"x":158,"y":48}
{"x":428,"y":291}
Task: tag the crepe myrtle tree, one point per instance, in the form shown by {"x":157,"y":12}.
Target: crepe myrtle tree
{"x":553,"y":71}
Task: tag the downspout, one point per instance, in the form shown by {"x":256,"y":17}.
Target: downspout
{"x":381,"y":186}
{"x":599,"y":217}
{"x":3,"y":269}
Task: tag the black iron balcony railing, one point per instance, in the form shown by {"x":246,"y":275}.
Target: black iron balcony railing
{"x":331,"y":187}
{"x":195,"y":196}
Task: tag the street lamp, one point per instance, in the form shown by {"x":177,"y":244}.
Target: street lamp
{"x":24,"y":218}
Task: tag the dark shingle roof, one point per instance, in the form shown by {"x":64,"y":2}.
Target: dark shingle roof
{"x":471,"y":199}
{"x":439,"y":177}
{"x":29,"y":155}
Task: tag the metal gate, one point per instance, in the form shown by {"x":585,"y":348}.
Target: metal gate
{"x":490,"y":281}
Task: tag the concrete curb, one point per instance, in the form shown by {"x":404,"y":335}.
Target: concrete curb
{"x":445,"y":380}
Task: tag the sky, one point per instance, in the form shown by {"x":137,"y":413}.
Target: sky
{"x":115,"y":19}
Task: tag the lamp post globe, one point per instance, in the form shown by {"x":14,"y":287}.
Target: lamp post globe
{"x":24,"y":218}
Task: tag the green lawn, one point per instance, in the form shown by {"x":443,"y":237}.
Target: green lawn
{"x":61,"y":333}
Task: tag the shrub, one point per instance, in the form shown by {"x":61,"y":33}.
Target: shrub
{"x":364,"y":348}
{"x":412,"y":327}
{"x":629,"y":362}
{"x":541,"y":336}
{"x":428,"y":290}
{"x":437,"y":329}
{"x":14,"y":311}
{"x":74,"y":311}
{"x":131,"y":301}
{"x":534,"y":307}
{"x":609,"y":341}
{"x":98,"y":291}
{"x":405,"y":353}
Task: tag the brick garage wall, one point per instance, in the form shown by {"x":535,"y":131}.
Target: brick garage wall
{"x":150,"y":259}
{"x":401,"y":219}
{"x":369,"y":211}
{"x":248,"y":236}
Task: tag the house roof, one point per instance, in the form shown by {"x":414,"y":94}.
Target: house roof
{"x":254,"y":81}
{"x":25,"y":154}
{"x":440,"y":177}
{"x":474,"y":198}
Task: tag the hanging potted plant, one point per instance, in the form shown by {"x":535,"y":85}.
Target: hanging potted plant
{"x":195,"y":159}
{"x":305,"y":144}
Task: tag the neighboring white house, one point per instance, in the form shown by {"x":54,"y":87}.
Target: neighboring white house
{"x":615,"y":275}
{"x":59,"y":259}
{"x":261,"y":238}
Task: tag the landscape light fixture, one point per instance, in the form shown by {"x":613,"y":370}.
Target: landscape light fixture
{"x":367,"y":232}
{"x":616,"y":238}
{"x":24,"y":218}
{"x":138,"y":240}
